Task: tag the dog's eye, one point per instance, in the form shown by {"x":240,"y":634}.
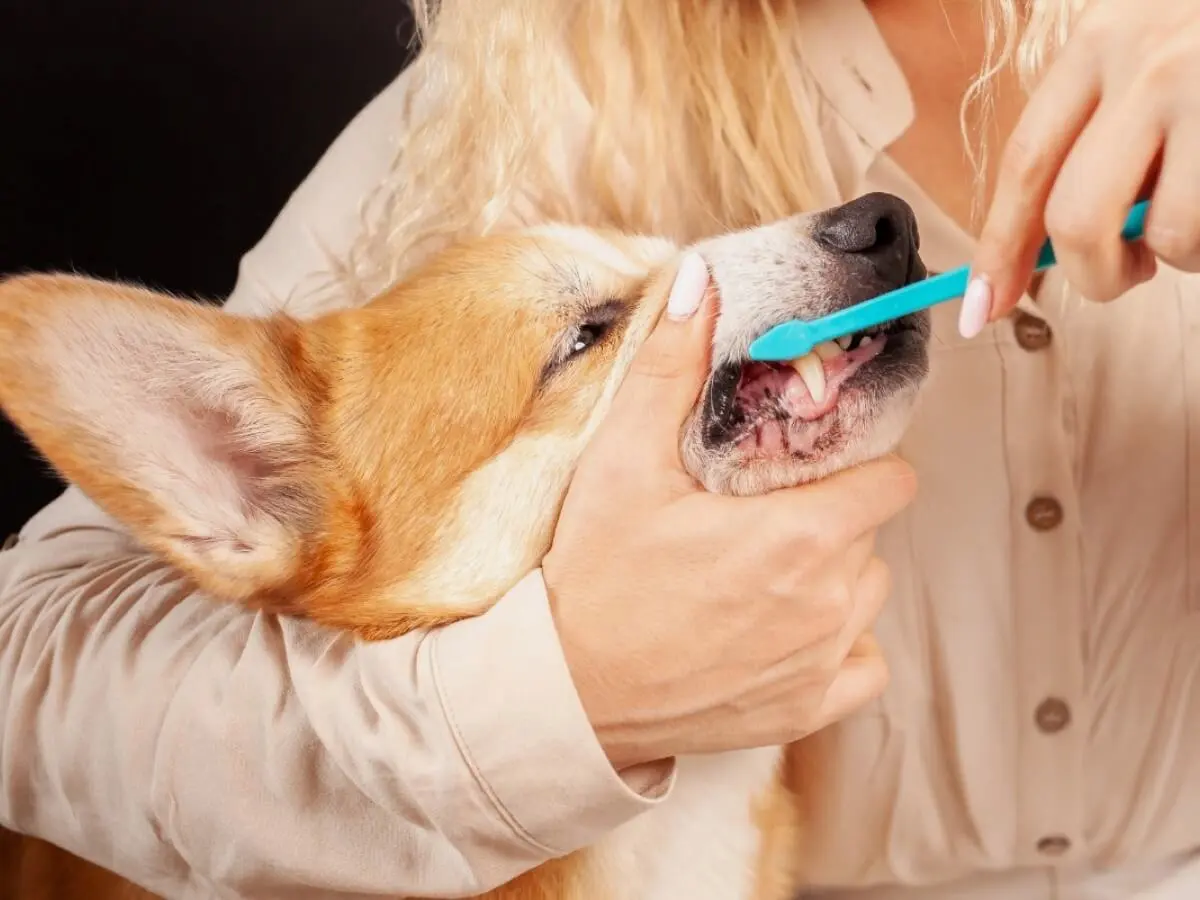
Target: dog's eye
{"x":596,"y":326}
{"x":587,"y":336}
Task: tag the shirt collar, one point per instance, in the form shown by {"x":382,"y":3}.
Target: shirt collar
{"x":853,"y":69}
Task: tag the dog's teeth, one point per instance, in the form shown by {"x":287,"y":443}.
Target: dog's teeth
{"x":811,"y":370}
{"x":845,"y":342}
{"x":828,"y":350}
{"x":866,"y":340}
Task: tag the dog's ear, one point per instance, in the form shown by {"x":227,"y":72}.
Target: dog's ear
{"x":190,"y":425}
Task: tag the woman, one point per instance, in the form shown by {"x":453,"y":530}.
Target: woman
{"x":1037,"y":737}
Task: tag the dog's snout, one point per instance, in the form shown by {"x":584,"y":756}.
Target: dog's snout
{"x":878,"y":226}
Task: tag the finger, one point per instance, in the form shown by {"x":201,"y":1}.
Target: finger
{"x":860,"y":680}
{"x":869,"y":595}
{"x":853,"y":614}
{"x":859,"y":554}
{"x":669,"y":370}
{"x":1092,"y":195}
{"x":857,"y":611}
{"x":1013,"y":230}
{"x":866,"y":645}
{"x":1173,"y":222}
{"x":835,"y":510}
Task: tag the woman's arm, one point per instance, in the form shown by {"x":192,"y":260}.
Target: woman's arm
{"x":184,"y":743}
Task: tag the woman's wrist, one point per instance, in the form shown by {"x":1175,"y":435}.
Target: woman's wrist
{"x":629,"y":745}
{"x":623,"y":742}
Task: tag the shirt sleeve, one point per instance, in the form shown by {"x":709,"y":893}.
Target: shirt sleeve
{"x":202,"y":750}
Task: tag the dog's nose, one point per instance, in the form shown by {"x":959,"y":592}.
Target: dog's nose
{"x":878,"y":226}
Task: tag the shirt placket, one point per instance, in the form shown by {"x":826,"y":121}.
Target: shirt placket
{"x":1047,"y":584}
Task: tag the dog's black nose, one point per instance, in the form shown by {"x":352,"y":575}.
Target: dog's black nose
{"x":878,"y":226}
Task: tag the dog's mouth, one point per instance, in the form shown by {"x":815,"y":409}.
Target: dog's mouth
{"x":772,"y":410}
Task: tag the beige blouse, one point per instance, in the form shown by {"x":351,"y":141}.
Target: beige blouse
{"x":1040,"y":737}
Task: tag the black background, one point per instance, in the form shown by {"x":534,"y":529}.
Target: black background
{"x":156,"y":140}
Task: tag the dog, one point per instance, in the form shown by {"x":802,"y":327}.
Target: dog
{"x":361,"y":467}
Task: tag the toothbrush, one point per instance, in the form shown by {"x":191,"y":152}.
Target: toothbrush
{"x":794,"y":339}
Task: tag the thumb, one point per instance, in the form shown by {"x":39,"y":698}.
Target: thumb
{"x":668,"y":372}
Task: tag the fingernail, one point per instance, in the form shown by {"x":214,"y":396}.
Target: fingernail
{"x":976,"y":305}
{"x":691,"y":281}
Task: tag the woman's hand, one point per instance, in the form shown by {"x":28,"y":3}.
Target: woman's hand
{"x":694,"y":622}
{"x":1115,"y":119}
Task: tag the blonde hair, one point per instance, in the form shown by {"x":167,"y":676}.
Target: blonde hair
{"x":692,"y":121}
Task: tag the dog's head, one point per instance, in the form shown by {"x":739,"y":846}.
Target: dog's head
{"x":403,"y":463}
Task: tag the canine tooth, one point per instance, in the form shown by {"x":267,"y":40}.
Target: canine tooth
{"x":845,"y":342}
{"x":812,"y":372}
{"x":866,"y":340}
{"x":828,"y":350}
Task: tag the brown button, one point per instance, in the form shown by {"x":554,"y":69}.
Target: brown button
{"x":1031,"y":332}
{"x":1052,"y":715}
{"x":1044,"y":513}
{"x":1054,"y":845}
{"x":9,"y":542}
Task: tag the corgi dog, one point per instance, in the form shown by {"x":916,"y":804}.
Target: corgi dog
{"x":401,"y":465}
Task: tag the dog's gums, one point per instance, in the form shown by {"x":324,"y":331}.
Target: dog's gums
{"x":770,"y":398}
{"x":828,"y":361}
{"x":773,"y":410}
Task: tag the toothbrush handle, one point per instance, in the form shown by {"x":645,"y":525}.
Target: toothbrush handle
{"x":1134,"y":228}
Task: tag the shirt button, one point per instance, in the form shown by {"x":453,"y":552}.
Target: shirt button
{"x":1052,"y":715}
{"x":1031,"y":332}
{"x":1054,"y":845}
{"x":1044,"y":513}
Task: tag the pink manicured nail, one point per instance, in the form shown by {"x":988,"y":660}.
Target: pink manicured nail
{"x":691,"y":281}
{"x":976,"y":306}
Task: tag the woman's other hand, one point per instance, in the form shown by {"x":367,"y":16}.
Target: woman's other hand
{"x":694,"y":622}
{"x":1115,"y":119}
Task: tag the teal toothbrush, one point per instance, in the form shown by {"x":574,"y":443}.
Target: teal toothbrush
{"x":792,"y":340}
